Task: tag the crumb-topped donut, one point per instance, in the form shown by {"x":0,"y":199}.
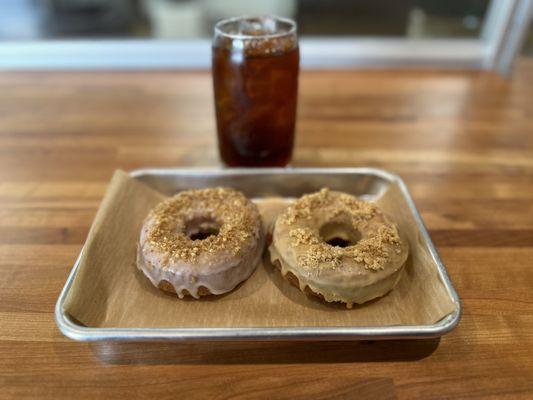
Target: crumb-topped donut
{"x":338,"y":247}
{"x":201,"y":242}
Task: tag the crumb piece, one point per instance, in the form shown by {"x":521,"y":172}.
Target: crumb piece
{"x":303,"y":236}
{"x":372,"y":251}
{"x":320,"y":256}
{"x":303,"y":207}
{"x":340,"y":203}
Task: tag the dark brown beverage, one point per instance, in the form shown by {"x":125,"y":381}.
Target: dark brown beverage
{"x":256,"y":84}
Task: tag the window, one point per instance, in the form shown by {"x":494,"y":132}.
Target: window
{"x":340,"y":33}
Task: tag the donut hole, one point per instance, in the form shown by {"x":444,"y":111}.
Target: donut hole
{"x":201,"y":228}
{"x":338,"y":242}
{"x":339,"y":234}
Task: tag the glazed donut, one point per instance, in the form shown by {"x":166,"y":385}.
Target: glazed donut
{"x":201,"y":242}
{"x":337,"y":247}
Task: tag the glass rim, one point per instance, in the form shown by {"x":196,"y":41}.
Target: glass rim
{"x":292,"y":30}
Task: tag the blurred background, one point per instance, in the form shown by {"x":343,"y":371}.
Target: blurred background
{"x":176,"y":19}
{"x":175,"y":33}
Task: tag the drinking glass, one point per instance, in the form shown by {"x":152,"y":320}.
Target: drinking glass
{"x":255,"y":78}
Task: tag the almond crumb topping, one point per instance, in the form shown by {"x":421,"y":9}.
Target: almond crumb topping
{"x":373,"y":250}
{"x":237,"y":216}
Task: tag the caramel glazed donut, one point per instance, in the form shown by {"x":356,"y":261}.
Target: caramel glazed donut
{"x":307,"y":246}
{"x":201,"y":242}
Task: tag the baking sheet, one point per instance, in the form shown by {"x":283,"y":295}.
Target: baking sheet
{"x":109,"y":292}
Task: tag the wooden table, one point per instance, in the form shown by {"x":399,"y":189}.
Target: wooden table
{"x":463,"y":141}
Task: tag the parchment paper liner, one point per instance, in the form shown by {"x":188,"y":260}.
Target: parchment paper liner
{"x":109,"y":291}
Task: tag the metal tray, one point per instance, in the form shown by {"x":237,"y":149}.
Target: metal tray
{"x":365,"y":182}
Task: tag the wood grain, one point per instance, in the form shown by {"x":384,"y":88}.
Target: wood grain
{"x":463,"y":141}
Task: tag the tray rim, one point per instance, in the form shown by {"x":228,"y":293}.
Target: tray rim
{"x":78,"y":332}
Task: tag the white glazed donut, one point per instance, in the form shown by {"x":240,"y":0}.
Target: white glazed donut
{"x":335,"y":246}
{"x":201,"y":242}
